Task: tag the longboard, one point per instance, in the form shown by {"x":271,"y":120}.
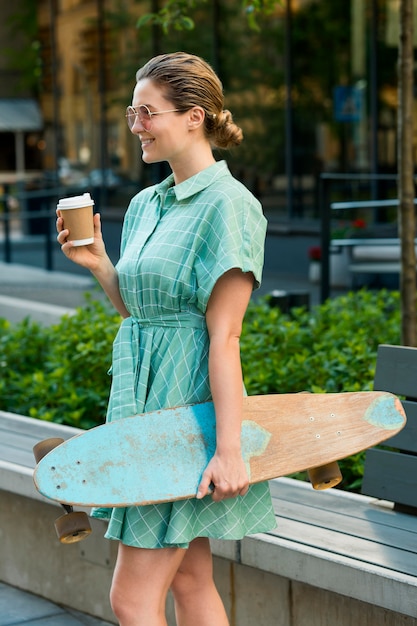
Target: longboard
{"x":160,"y":456}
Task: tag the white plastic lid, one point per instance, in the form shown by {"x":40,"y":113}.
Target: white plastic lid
{"x":76,"y":201}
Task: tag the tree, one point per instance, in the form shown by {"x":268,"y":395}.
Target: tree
{"x":406,"y":212}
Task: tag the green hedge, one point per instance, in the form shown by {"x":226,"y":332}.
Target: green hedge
{"x":59,"y":373}
{"x":331,"y":349}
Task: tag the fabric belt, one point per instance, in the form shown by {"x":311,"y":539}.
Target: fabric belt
{"x":172,"y":320}
{"x":127,"y":367}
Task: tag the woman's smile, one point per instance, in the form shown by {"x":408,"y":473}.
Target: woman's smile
{"x":146,"y":141}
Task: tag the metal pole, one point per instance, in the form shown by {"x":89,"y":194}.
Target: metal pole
{"x":102,"y":98}
{"x":156,"y":33}
{"x":288,"y":109}
{"x":325,"y":216}
{"x":216,"y":36}
{"x":7,"y":244}
{"x":55,"y":89}
{"x":373,"y":72}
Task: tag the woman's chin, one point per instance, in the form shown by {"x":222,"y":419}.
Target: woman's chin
{"x":147,"y":158}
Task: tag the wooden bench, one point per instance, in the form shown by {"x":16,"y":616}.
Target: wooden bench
{"x":392,"y":474}
{"x":343,"y":548}
{"x":18,"y":435}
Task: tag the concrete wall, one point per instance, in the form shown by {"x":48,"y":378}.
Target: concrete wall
{"x":79,"y":576}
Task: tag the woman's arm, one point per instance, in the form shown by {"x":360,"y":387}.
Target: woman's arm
{"x":225,"y":311}
{"x":94,"y":257}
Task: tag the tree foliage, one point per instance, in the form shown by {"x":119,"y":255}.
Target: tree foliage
{"x":27,"y":64}
{"x":177,"y":14}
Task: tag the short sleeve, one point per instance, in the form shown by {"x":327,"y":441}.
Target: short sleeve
{"x":234,"y":238}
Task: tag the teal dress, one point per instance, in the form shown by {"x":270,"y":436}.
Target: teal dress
{"x":177,"y":241}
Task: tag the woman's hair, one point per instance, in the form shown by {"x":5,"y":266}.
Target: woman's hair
{"x":187,"y":81}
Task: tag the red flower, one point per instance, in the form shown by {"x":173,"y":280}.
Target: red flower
{"x":359,"y":223}
{"x":314,"y":253}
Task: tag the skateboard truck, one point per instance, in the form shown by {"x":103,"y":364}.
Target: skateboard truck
{"x":325,"y":476}
{"x":74,"y":525}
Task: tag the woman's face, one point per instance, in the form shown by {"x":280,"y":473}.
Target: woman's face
{"x":168,"y":138}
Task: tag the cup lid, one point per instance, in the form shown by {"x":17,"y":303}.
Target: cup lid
{"x":76,"y":201}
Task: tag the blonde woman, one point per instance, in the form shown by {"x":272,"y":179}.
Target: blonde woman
{"x":191,"y":254}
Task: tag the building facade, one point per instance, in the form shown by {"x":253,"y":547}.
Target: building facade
{"x":315,"y":90}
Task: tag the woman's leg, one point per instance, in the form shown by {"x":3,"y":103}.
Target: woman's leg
{"x":140,"y":584}
{"x":197,"y":600}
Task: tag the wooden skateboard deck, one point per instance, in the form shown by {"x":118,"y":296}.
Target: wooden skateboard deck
{"x":160,"y":456}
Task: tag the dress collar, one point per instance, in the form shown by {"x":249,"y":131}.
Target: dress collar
{"x":195,"y":183}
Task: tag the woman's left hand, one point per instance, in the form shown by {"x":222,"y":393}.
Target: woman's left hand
{"x":225,"y":477}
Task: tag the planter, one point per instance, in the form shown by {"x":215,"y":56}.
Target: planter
{"x":314,"y":272}
{"x":339,"y":269}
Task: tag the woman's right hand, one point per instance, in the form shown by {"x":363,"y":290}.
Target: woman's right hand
{"x":89,"y":256}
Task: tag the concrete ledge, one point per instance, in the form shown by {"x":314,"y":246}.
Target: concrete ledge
{"x":334,"y":573}
{"x":12,"y":273}
{"x":17,"y":309}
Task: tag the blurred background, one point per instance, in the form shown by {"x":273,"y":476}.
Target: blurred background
{"x":314,"y":88}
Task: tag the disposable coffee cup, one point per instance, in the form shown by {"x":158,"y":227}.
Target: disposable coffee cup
{"x":77,"y":213}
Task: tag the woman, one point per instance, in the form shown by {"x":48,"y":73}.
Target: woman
{"x":191,"y":254}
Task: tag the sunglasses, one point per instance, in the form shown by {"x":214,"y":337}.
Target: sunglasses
{"x":144,"y":114}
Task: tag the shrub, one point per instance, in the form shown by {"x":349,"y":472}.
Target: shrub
{"x":331,"y":349}
{"x":59,"y":373}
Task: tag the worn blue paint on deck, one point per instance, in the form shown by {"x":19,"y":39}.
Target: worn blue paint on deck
{"x":384,"y":412}
{"x":104,"y":466}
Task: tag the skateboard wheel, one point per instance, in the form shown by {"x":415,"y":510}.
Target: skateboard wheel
{"x":325,"y":476}
{"x":42,"y":448}
{"x":72,"y":527}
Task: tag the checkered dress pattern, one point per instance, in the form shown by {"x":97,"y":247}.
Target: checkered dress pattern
{"x":177,"y":240}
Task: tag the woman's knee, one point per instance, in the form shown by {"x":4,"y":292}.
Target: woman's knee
{"x":137,"y":605}
{"x":195,"y":572}
{"x":122,"y":608}
{"x":140,"y":583}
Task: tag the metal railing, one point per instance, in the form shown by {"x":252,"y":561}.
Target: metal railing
{"x":327,"y":207}
{"x":45,"y":199}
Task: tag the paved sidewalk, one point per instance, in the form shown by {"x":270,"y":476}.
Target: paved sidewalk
{"x":19,"y":608}
{"x":37,"y":289}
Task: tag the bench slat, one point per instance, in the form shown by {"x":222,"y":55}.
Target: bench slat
{"x":338,"y":543}
{"x":19,"y":440}
{"x":355,"y":506}
{"x":18,"y":435}
{"x":35,"y":427}
{"x":391,"y":476}
{"x":395,"y":371}
{"x":18,"y":456}
{"x":368,"y":530}
{"x":406,"y":439}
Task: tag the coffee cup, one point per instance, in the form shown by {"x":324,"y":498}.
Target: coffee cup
{"x":77,"y":213}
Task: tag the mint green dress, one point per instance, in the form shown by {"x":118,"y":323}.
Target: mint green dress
{"x":177,"y":240}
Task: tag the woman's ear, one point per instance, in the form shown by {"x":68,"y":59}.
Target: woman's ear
{"x":196,"y":117}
